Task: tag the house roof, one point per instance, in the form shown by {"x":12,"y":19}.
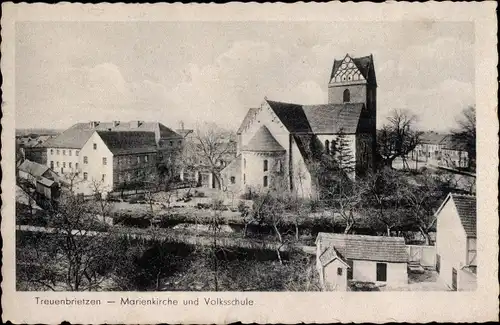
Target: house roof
{"x":452,"y":142}
{"x":371,"y":248}
{"x":263,"y":141}
{"x":246,"y":120}
{"x":326,"y":118}
{"x":33,"y":168}
{"x":466,"y":207}
{"x":77,"y":135}
{"x":128,"y":142}
{"x":364,"y":65}
{"x":329,"y":255}
{"x":432,"y":137}
{"x":46,"y":182}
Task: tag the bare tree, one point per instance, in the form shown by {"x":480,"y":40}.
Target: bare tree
{"x":398,"y":137}
{"x":466,"y":132}
{"x":212,"y":145}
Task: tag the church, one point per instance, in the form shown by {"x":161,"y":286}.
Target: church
{"x":274,"y":140}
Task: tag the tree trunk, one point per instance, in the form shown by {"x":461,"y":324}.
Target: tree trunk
{"x":426,"y":235}
{"x":388,"y":231}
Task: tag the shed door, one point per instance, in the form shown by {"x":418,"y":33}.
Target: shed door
{"x":381,"y":272}
{"x":454,"y":279}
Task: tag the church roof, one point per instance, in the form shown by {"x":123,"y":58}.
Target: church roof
{"x":317,"y":119}
{"x":333,"y":118}
{"x":246,"y":120}
{"x":364,"y":65}
{"x":263,"y":141}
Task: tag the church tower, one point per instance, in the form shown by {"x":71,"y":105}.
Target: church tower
{"x":353,"y":81}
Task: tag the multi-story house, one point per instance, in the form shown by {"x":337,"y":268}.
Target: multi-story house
{"x":441,"y":149}
{"x":111,"y":154}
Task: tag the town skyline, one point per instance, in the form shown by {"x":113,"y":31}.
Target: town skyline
{"x":171,"y":72}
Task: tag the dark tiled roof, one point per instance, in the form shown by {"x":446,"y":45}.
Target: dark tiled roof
{"x":251,"y":112}
{"x":333,"y":118}
{"x":292,"y":116}
{"x":263,"y":141}
{"x":33,"y":168}
{"x":364,"y":65}
{"x":370,"y":248}
{"x":78,"y":134}
{"x":466,"y":207}
{"x":128,"y":142}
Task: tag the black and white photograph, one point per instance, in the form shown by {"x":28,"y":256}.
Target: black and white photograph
{"x":246,"y":156}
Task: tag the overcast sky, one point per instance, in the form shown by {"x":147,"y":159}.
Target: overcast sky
{"x":206,"y":71}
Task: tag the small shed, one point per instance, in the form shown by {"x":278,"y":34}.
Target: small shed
{"x":47,"y":188}
{"x":341,"y":258}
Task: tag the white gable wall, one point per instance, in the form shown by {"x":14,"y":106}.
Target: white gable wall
{"x":332,"y":280}
{"x":366,"y":271}
{"x":451,"y":242}
{"x":95,"y":168}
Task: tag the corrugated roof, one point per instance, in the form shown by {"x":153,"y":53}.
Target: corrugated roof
{"x":128,"y":142}
{"x":33,"y":168}
{"x":371,"y":248}
{"x":466,"y":207}
{"x":333,"y":118}
{"x":246,"y":120}
{"x":78,"y":134}
{"x":263,"y":141}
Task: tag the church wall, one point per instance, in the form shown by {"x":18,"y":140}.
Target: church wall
{"x":336,"y":93}
{"x":350,"y":138}
{"x":254,"y":172}
{"x":251,"y":174}
{"x":364,"y":153}
{"x":301,"y":176}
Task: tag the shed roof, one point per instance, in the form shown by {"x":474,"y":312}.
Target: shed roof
{"x":46,"y":182}
{"x":263,"y":141}
{"x":33,"y":168}
{"x":361,"y":247}
{"x":128,"y":142}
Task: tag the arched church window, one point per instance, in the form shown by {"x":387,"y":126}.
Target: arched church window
{"x":265,"y":165}
{"x":347,"y":96}
{"x":327,"y":147}
{"x":265,"y":181}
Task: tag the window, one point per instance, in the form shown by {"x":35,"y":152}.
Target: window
{"x":77,"y":152}
{"x":138,"y":159}
{"x":85,"y":159}
{"x":146,"y":159}
{"x":57,"y":163}
{"x":265,"y":165}
{"x":51,"y":165}
{"x":85,"y":176}
{"x":233,"y":180}
{"x":51,"y":151}
{"x":95,"y":146}
{"x":265,"y":181}
{"x":180,"y":142}
{"x":244,"y":179}
{"x":104,"y":161}
{"x":70,"y":152}
{"x":327,"y":147}
{"x":280,"y":166}
{"x":76,"y":165}
{"x":69,"y":164}
{"x":381,"y":272}
{"x":339,"y":271}
{"x":64,"y":164}
{"x":244,"y":163}
{"x":62,"y":170}
{"x":171,"y":143}
{"x":64,"y":152}
{"x":57,"y":151}
{"x":347,"y":96}
{"x":103,"y":177}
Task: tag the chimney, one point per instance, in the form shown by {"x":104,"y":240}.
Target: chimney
{"x":116,"y":123}
{"x":93,"y":124}
{"x":136,"y":124}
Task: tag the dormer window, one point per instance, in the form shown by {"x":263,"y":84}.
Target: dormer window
{"x":347,"y":96}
